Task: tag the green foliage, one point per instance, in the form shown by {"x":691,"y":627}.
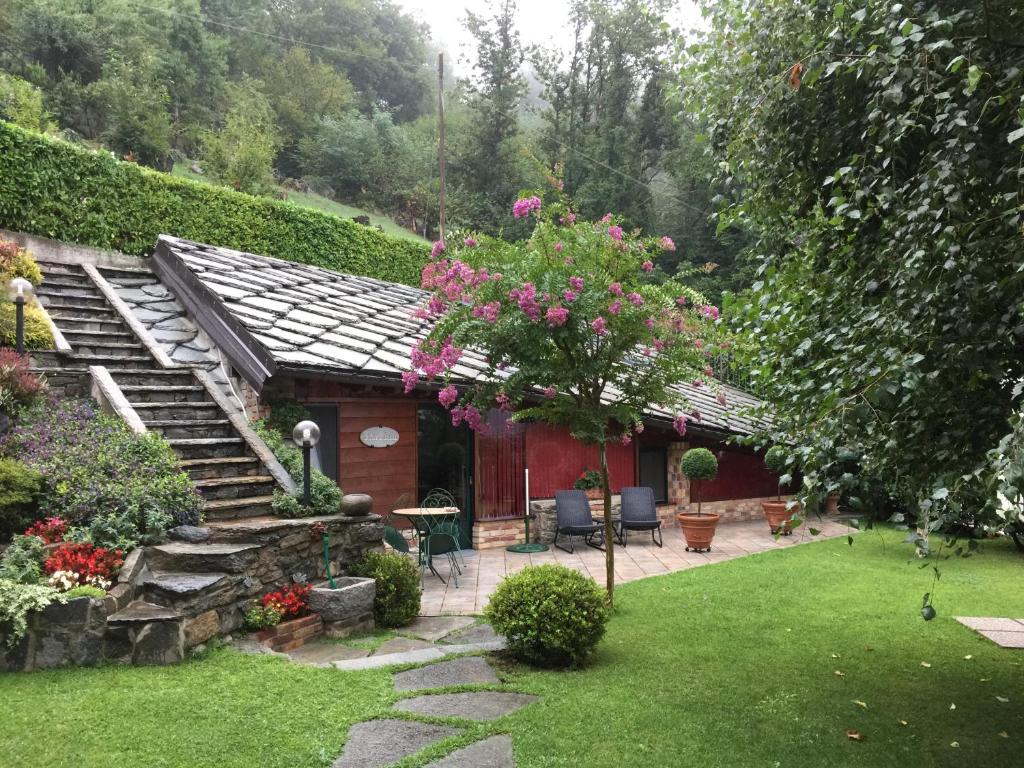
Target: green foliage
{"x":133,"y":103}
{"x":589,"y":479}
{"x":37,"y":330}
{"x":65,"y":192}
{"x":259,"y":616}
{"x":284,"y":415}
{"x":21,"y":103}
{"x":20,"y":487}
{"x":22,"y":561}
{"x":776,"y":459}
{"x":324,"y":493}
{"x":699,"y":464}
{"x":241,"y":154}
{"x":877,"y":149}
{"x":115,"y":530}
{"x":18,"y":600}
{"x":84,"y":590}
{"x":550,"y":615}
{"x":398,"y":587}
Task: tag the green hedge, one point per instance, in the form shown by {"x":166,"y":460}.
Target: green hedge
{"x":56,"y":189}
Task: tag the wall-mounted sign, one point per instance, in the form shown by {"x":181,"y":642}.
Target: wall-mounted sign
{"x":379,"y":437}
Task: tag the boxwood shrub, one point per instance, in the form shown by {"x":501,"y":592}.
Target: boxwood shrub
{"x":550,"y":615}
{"x":60,"y":190}
{"x":398,"y":587}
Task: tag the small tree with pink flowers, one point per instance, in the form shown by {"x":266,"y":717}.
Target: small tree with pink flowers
{"x":572,"y":329}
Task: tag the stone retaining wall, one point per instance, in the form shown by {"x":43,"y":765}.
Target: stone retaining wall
{"x":491,"y":534}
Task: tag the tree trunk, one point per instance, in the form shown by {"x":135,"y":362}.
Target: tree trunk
{"x":609,"y":531}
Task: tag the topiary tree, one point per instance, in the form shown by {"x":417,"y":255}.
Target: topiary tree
{"x":572,"y":331}
{"x":698,"y":464}
{"x":776,"y":459}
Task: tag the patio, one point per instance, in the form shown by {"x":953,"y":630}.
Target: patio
{"x":485,"y":569}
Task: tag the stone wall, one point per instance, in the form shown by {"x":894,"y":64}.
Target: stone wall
{"x":545,"y":520}
{"x":491,"y":534}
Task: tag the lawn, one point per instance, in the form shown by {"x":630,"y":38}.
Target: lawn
{"x":320,"y":203}
{"x":733,"y":664}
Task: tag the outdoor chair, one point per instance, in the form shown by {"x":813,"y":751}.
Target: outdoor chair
{"x":574,"y":518}
{"x":439,"y":542}
{"x":439,"y":498}
{"x":639,"y":513}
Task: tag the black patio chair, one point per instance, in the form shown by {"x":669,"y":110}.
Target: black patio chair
{"x":639,"y":513}
{"x":574,"y":518}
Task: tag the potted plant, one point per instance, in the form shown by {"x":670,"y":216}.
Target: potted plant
{"x":590,"y":481}
{"x":778,"y":512}
{"x":698,"y":464}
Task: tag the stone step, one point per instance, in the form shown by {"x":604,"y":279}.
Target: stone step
{"x":153,"y":377}
{"x":235,"y":487}
{"x":72,"y":324}
{"x":208,"y":447}
{"x":143,"y":612}
{"x":205,"y":557}
{"x":53,"y":283}
{"x":109,"y":360}
{"x":79,"y":311}
{"x":71,"y":300}
{"x":174,"y":393}
{"x":224,"y":467}
{"x":237,"y":509}
{"x":76,"y":336}
{"x":189,"y":593}
{"x":108,"y":349}
{"x":60,"y":268}
{"x":183,"y":410}
{"x":191,"y":428}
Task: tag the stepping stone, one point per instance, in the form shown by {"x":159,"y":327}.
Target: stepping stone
{"x":400,"y":645}
{"x":382,"y":742}
{"x":483,"y":705}
{"x":374,"y":662}
{"x":495,"y":752}
{"x":470,"y":670}
{"x":433,"y":628}
{"x":481,"y":633}
{"x":324,"y":654}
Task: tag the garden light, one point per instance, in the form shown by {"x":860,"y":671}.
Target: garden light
{"x":306,"y":435}
{"x":19,"y":290}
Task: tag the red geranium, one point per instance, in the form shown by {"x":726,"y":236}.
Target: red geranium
{"x":51,"y":530}
{"x":87,"y":560}
{"x":291,"y":601}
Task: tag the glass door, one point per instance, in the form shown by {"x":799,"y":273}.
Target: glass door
{"x":444,"y":459}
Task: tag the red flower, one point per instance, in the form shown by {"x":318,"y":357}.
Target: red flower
{"x":291,"y":601}
{"x":87,"y":560}
{"x":51,"y":530}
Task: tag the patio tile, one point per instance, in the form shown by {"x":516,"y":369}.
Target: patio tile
{"x":991,"y":623}
{"x":1004,"y":639}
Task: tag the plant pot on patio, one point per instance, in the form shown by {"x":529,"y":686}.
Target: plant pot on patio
{"x":698,"y":464}
{"x":778,"y":514}
{"x":832,"y":504}
{"x":348,"y":607}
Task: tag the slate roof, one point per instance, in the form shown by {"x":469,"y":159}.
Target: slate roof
{"x":314,"y":320}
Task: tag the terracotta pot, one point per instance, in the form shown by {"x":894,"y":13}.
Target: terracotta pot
{"x":595,"y":494}
{"x":699,"y":530}
{"x":832,"y":504}
{"x":778,"y":515}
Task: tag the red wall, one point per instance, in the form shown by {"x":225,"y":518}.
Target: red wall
{"x":555,"y":459}
{"x":741,"y":475}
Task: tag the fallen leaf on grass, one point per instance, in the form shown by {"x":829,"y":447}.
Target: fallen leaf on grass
{"x":835,"y":656}
{"x":926,"y":665}
{"x":968,"y":657}
{"x":1004,"y":734}
{"x":954,"y":744}
{"x":904,"y":722}
{"x":854,"y":736}
{"x":860,"y":703}
{"x":952,"y":706}
{"x":839,"y":673}
{"x":1002,"y":700}
{"x":986,"y":679}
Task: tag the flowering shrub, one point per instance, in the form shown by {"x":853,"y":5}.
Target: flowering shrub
{"x":258,"y":616}
{"x":588,"y":479}
{"x":18,"y":386}
{"x":73,"y":564}
{"x":116,"y":488}
{"x":290,"y":602}
{"x":51,"y":530}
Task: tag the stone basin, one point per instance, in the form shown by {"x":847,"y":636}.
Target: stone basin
{"x":352,"y":598}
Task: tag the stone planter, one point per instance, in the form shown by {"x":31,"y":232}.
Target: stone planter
{"x":832,"y":504}
{"x":291,"y":634}
{"x":347,"y":608}
{"x":356,"y":505}
{"x":594,"y":494}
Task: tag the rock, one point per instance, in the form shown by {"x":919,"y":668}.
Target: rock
{"x":167,"y":336}
{"x":495,"y":752}
{"x":196,"y":168}
{"x":87,"y":649}
{"x":433,"y":628}
{"x":470,"y":670}
{"x":190,"y":533}
{"x":133,"y":565}
{"x":478,"y":705}
{"x":156,"y":290}
{"x":356,"y":504}
{"x":185,"y":355}
{"x":325,"y":654}
{"x":482,"y":633}
{"x":381,"y":742}
{"x":401,"y":645}
{"x":201,"y":628}
{"x":353,"y":596}
{"x":72,"y":613}
{"x":53,"y":651}
{"x":159,"y":643}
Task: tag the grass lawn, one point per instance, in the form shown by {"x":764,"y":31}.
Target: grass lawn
{"x":726,"y":665}
{"x":320,"y":203}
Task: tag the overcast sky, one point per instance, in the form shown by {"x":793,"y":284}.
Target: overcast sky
{"x":544,"y":22}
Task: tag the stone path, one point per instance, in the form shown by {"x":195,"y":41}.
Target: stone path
{"x":1006,"y":633}
{"x":486,"y":568}
{"x":378,"y":743}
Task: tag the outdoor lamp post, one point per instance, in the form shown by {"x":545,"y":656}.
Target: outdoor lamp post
{"x":19,"y":290}
{"x":306,"y":435}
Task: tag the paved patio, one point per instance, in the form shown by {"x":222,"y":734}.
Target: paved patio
{"x":484,"y":569}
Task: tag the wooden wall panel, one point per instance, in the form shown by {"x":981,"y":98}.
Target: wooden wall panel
{"x":555,"y":459}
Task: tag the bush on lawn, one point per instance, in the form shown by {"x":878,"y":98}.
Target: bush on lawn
{"x":59,"y":190}
{"x":20,"y":487}
{"x":324,"y":493}
{"x":117,"y":488}
{"x":398,"y":587}
{"x":551,"y":615}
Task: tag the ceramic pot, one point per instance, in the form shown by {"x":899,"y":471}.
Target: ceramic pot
{"x":699,"y":530}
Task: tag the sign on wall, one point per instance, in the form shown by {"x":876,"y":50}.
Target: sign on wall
{"x":379,"y":437}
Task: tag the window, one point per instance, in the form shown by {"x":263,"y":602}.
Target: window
{"x":654,"y":471}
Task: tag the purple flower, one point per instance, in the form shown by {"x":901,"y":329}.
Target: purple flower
{"x":522,"y":207}
{"x":615,"y":307}
{"x":626,"y":438}
{"x":721,"y":398}
{"x":606,"y":218}
{"x":649,"y":322}
{"x":615,"y":232}
{"x":569,"y":296}
{"x":681,"y":301}
{"x":438,"y":249}
{"x":556,"y":316}
{"x":710,"y":311}
{"x":679,"y":423}
{"x":410,"y":379}
{"x":550,"y":392}
{"x":636,"y":299}
{"x":559,"y":247}
{"x":569,"y":219}
{"x":448,"y":396}
{"x":576,"y":283}
{"x":457,"y":414}
{"x":615,"y":288}
{"x":470,"y":242}
{"x":667,"y":244}
{"x":647,"y":266}
{"x":600,"y":326}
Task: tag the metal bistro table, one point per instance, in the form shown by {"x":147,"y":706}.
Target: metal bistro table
{"x":428,"y":520}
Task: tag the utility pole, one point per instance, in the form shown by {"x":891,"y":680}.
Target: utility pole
{"x":440,"y":141}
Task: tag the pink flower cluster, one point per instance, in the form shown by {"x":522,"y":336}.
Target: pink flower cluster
{"x":470,"y":242}
{"x":615,"y":233}
{"x":710,"y":311}
{"x":635,"y":299}
{"x":679,"y":424}
{"x":600,"y":326}
{"x":615,"y":307}
{"x":569,"y":219}
{"x":438,"y":249}
{"x":667,"y":244}
{"x":647,"y":266}
{"x":526,"y":297}
{"x":615,"y":288}
{"x":488,"y":312}
{"x":468,"y":413}
{"x":448,"y":396}
{"x":550,"y":392}
{"x":522,"y":207}
{"x":557,"y":316}
{"x":434,"y":364}
{"x":576,"y":283}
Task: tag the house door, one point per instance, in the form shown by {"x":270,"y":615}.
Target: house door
{"x":325,"y":455}
{"x":444,"y":459}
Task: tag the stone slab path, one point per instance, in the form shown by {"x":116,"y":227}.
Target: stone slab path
{"x":639,"y":559}
{"x":378,"y":743}
{"x":1006,"y":633}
